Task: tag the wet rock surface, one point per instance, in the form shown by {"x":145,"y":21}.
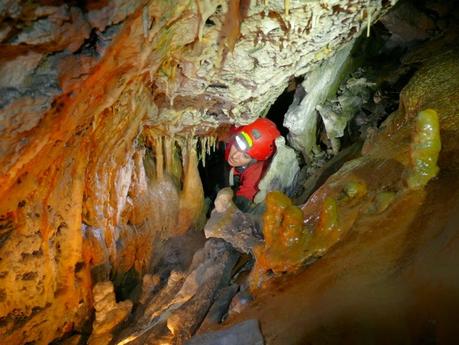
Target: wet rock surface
{"x":234,"y":226}
{"x":178,"y":309}
{"x":244,"y":333}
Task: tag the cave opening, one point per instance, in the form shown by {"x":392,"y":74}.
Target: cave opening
{"x":280,"y":106}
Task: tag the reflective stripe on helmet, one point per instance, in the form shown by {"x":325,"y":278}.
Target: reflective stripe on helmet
{"x":244,"y":141}
{"x":262,"y":134}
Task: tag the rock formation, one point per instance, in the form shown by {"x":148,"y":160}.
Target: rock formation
{"x":106,"y":108}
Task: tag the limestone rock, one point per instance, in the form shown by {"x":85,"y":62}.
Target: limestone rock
{"x":235,"y":227}
{"x":14,"y":72}
{"x":282,"y":172}
{"x":407,"y":24}
{"x":95,"y":253}
{"x":211,"y":270}
{"x":149,"y":284}
{"x":115,"y":12}
{"x":100,"y":339}
{"x":73,"y":69}
{"x":109,"y":314}
{"x":65,"y":28}
{"x":301,"y":117}
{"x":183,"y":303}
{"x":27,"y":94}
{"x":240,"y":302}
{"x":163,"y":300}
{"x":4,"y":31}
{"x":220,"y":306}
{"x":6,"y":229}
{"x":337,"y":112}
{"x":11,"y":8}
{"x":244,"y":333}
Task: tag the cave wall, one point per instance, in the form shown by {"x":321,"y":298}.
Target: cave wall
{"x":85,"y":87}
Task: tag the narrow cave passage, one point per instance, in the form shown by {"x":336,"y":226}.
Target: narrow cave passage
{"x":212,"y":167}
{"x":108,"y":232}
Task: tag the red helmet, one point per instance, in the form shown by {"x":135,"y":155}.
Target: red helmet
{"x":257,"y":139}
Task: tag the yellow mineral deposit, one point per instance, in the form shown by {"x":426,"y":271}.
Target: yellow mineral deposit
{"x":292,"y":227}
{"x":355,"y":189}
{"x":382,"y":201}
{"x":286,"y":239}
{"x":327,"y":231}
{"x":289,"y":242}
{"x":276,"y":203}
{"x":328,"y":216}
{"x":425,"y":148}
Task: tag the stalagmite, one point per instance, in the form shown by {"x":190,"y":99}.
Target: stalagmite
{"x":159,"y":157}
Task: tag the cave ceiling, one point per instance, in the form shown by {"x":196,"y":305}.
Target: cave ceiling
{"x":202,"y":63}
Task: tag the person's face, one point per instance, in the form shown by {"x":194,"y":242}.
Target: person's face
{"x":238,"y":158}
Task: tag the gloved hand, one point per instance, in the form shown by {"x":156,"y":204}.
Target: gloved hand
{"x":223,"y":199}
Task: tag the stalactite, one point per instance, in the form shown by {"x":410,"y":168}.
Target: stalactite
{"x":202,"y":156}
{"x":214,"y":143}
{"x":176,"y":168}
{"x":286,"y":7}
{"x":159,"y":157}
{"x":201,"y":20}
{"x":207,"y":145}
{"x":368,"y":18}
{"x":192,"y":194}
{"x":230,"y":31}
{"x":175,"y":206}
{"x":168,"y":143}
